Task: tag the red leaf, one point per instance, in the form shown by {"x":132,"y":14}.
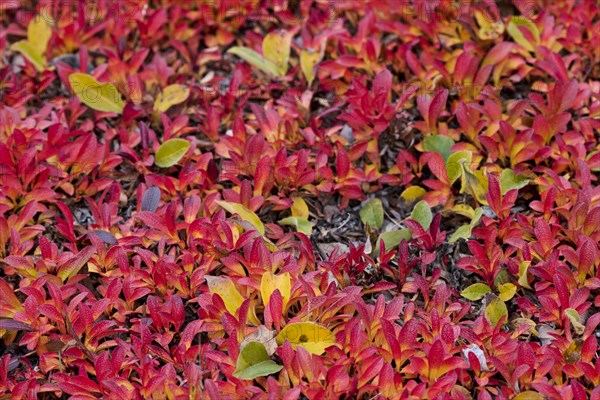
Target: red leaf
{"x":342,"y":163}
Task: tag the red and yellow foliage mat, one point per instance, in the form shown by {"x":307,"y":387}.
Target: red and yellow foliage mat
{"x":299,"y":199}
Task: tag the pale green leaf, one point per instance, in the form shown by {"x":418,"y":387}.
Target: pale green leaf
{"x":463,"y":232}
{"x":392,"y":239}
{"x":453,"y":164}
{"x":372,"y":213}
{"x":302,"y":224}
{"x":29,"y":51}
{"x":253,"y":361}
{"x":170,"y":152}
{"x":440,"y":144}
{"x":476,"y":291}
{"x":255,"y":59}
{"x":422,"y":214}
{"x":573,"y":316}
{"x":510,"y":181}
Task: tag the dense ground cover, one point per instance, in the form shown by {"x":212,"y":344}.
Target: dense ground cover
{"x":299,"y":199}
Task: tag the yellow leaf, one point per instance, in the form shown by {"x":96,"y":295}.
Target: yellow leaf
{"x":488,"y":29}
{"x":170,"y":152}
{"x":453,"y":164}
{"x":98,"y":96}
{"x":465,"y":210}
{"x":523,"y":267}
{"x":507,"y":291}
{"x":29,"y":52}
{"x":38,"y":34}
{"x":413,"y":193}
{"x":252,"y":57}
{"x":225,"y":288}
{"x":573,"y":316}
{"x":518,"y":36}
{"x":308,"y":59}
{"x":529,"y":395}
{"x":172,"y":95}
{"x":474,"y":183}
{"x":302,"y":224}
{"x":270,"y":282}
{"x":313,"y":337}
{"x":495,"y":310}
{"x":276,"y":48}
{"x":299,"y":208}
{"x":244,"y":213}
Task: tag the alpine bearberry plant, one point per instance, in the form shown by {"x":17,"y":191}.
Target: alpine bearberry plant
{"x":264,"y":199}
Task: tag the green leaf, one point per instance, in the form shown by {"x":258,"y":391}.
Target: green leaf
{"x":422,"y":214}
{"x":392,"y":239}
{"x":495,"y":310}
{"x":244,"y":213}
{"x":476,"y":217}
{"x":254,"y":361}
{"x":170,"y":152}
{"x":313,"y":337}
{"x":510,"y":181}
{"x":476,"y":291}
{"x":255,"y":59}
{"x":439,"y":144}
{"x":453,"y":164}
{"x":463,"y":232}
{"x":372,"y":213}
{"x":98,"y":96}
{"x":302,"y":224}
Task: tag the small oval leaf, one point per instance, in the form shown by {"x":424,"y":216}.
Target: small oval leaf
{"x":372,"y":213}
{"x":151,"y":199}
{"x":172,"y":95}
{"x":170,"y":152}
{"x":253,"y":361}
{"x":98,"y":96}
{"x":255,"y":59}
{"x":422,"y":214}
{"x":313,"y":337}
{"x":476,"y":291}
